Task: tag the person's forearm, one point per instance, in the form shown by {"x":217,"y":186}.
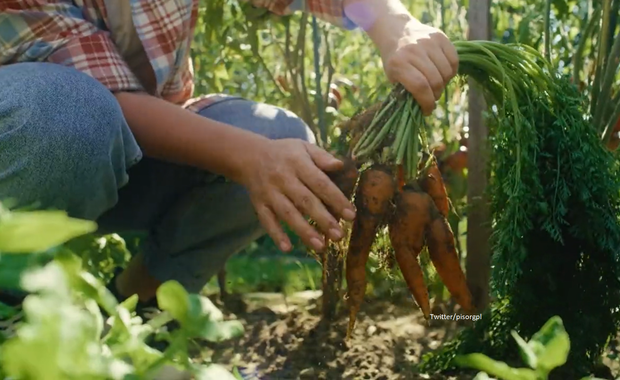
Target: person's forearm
{"x":169,"y":132}
{"x":383,"y":20}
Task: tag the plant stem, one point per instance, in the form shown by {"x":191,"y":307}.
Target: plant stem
{"x":608,"y":78}
{"x":548,"y":30}
{"x":613,"y":20}
{"x":400,"y":141}
{"x":615,"y":115}
{"x":381,"y":135}
{"x":316,"y":42}
{"x":602,"y":53}
{"x":371,"y":132}
{"x":587,"y":32}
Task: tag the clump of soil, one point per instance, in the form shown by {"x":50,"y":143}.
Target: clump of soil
{"x":288,"y":341}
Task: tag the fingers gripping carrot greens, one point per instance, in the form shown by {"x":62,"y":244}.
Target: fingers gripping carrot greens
{"x":403,"y":187}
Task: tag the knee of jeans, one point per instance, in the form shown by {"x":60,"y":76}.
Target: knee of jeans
{"x":56,"y":94}
{"x":267,"y":120}
{"x":67,"y":130}
{"x":287,"y":125}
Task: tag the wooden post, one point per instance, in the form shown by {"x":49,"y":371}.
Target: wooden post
{"x":478,"y":215}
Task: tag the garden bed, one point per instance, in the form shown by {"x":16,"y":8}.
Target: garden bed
{"x":284,"y":340}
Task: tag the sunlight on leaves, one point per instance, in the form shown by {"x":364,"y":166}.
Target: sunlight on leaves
{"x":36,"y":231}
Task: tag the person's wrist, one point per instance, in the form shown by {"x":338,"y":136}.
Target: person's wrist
{"x":387,"y":32}
{"x":246,"y":154}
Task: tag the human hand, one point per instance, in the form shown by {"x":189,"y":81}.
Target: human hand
{"x":287,"y":181}
{"x":423,"y":60}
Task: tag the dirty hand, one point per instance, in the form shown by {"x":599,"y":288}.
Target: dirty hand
{"x":423,"y":60}
{"x":287,"y":181}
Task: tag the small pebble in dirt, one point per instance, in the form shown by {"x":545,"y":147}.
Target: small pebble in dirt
{"x":371,"y":329}
{"x":308,"y":373}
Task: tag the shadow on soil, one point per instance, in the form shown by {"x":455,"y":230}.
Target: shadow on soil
{"x":292,"y":343}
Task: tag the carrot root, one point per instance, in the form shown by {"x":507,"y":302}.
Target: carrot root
{"x":432,"y":183}
{"x":407,"y":232}
{"x":414,"y":277}
{"x":372,"y":199}
{"x":443,"y":255}
{"x":346,"y":178}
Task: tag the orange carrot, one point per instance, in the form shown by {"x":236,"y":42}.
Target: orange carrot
{"x":442,"y":252}
{"x":372,"y":199}
{"x":345,"y":178}
{"x":432,"y":183}
{"x":407,"y":229}
{"x":456,"y":162}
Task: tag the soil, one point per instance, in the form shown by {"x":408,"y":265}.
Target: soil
{"x":285,"y":340}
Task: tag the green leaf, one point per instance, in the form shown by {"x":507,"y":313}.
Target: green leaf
{"x":221,"y":331}
{"x":237,"y":374}
{"x":85,"y":282}
{"x":214,"y":372}
{"x":201,"y":307}
{"x":173,"y":298}
{"x":7,"y":311}
{"x":562,"y":8}
{"x":61,"y":333}
{"x":36,"y":231}
{"x":482,"y":376}
{"x":500,"y":369}
{"x":551,"y":344}
{"x":205,"y":321}
{"x":13,"y":266}
{"x":92,"y":287}
{"x":253,"y":38}
{"x":528,"y":355}
{"x":131,"y":303}
{"x":198,"y":316}
{"x":50,"y":279}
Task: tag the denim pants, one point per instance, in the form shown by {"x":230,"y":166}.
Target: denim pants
{"x":64,"y":144}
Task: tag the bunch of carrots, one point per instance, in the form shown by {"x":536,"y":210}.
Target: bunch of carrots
{"x":416,"y":214}
{"x":402,"y":186}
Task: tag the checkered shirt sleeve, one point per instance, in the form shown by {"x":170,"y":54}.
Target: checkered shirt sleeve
{"x":331,"y":11}
{"x":61,"y":33}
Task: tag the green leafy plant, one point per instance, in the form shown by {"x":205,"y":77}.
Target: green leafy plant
{"x":548,"y":349}
{"x":64,"y":324}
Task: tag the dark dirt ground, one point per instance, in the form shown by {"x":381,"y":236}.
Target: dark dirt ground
{"x":284,"y":340}
{"x":289,"y":342}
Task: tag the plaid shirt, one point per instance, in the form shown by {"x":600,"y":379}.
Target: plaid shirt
{"x":76,"y":34}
